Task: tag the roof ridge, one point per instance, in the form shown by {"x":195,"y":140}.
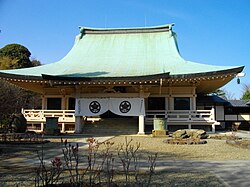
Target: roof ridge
{"x":160,"y":28}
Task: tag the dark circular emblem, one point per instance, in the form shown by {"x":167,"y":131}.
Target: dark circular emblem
{"x":94,"y":107}
{"x":125,"y":107}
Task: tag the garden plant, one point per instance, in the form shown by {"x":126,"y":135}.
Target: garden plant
{"x":101,"y":164}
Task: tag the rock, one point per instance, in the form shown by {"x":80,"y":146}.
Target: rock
{"x":190,"y":133}
{"x":197,"y":133}
{"x":180,"y":134}
{"x":202,"y":142}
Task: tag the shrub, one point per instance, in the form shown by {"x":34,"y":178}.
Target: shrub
{"x":99,"y":167}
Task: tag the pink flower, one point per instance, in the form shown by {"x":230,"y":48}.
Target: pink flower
{"x":56,"y":162}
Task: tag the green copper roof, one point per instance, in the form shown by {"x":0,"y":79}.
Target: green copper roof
{"x":110,"y":53}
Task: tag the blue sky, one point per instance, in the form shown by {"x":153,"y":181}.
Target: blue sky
{"x":215,"y":32}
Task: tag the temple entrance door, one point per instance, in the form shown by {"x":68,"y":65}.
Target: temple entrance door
{"x":129,"y":108}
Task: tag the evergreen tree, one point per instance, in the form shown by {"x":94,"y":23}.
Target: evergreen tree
{"x":246,"y":92}
{"x":13,"y":98}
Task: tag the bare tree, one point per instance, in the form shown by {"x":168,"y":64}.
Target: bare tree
{"x":13,"y":99}
{"x":229,"y":95}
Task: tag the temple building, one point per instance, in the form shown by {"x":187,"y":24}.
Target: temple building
{"x":133,"y":73}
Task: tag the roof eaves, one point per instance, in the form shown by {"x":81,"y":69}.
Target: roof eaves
{"x":129,"y":78}
{"x":15,"y":76}
{"x":212,"y":73}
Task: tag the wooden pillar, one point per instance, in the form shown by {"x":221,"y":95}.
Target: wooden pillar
{"x":64,"y":102}
{"x":170,"y":100}
{"x":194,"y":103}
{"x":78,"y":119}
{"x":63,"y":107}
{"x":141,"y":125}
{"x":43,"y":102}
{"x":213,"y":128}
{"x":194,"y":99}
{"x":63,"y":128}
{"x":42,"y":127}
{"x":212,"y":117}
{"x":141,"y":117}
{"x":166,"y":108}
{"x":43,"y":108}
{"x":78,"y":124}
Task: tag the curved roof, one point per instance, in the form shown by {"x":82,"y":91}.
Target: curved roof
{"x":123,"y":53}
{"x":238,"y":103}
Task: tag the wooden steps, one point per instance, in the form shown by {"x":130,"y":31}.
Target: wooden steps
{"x":112,"y":126}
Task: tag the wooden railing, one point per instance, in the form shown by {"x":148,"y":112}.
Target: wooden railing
{"x":67,"y":116}
{"x":64,"y":116}
{"x":182,"y":115}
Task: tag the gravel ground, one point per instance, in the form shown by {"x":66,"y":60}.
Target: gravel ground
{"x":213,"y":150}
